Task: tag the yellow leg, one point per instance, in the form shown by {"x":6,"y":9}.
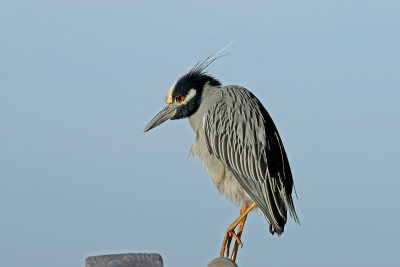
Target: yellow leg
{"x":231,"y":233}
{"x":239,"y":234}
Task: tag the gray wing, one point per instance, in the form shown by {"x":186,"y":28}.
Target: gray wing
{"x":240,"y":132}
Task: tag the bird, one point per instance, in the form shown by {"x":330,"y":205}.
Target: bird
{"x":237,"y":143}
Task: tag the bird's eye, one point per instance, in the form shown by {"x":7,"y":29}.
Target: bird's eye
{"x":179,"y":99}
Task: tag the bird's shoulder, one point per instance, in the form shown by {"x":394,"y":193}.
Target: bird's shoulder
{"x":236,"y":106}
{"x":233,"y":97}
{"x":234,"y":92}
{"x":237,"y":117}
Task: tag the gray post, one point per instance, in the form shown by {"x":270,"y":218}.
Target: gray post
{"x":126,"y":260}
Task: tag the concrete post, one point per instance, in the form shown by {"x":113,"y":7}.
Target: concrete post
{"x":126,"y":260}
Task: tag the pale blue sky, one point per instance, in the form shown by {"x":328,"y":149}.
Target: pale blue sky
{"x":79,"y":80}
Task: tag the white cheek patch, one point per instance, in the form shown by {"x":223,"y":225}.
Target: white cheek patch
{"x":168,"y":98}
{"x":192,"y":93}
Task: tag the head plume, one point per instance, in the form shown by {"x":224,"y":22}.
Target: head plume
{"x":200,"y":67}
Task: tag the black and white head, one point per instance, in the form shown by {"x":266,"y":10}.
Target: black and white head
{"x":184,"y":96}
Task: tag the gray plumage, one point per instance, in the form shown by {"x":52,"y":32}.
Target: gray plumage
{"x":243,"y":153}
{"x":237,"y":142}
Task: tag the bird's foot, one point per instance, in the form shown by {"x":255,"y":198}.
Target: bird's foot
{"x":230,"y":233}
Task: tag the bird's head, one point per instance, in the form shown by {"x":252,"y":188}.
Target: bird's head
{"x":184,"y":96}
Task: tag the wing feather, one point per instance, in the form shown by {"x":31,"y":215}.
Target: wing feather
{"x":240,"y":132}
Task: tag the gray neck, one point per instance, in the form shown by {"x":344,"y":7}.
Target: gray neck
{"x":210,"y":95}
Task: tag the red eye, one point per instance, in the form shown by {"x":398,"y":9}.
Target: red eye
{"x":179,"y":99}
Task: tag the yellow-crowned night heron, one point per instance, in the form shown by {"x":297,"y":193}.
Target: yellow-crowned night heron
{"x":238,"y":144}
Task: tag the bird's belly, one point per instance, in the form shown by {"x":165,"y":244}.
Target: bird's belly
{"x":220,"y":176}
